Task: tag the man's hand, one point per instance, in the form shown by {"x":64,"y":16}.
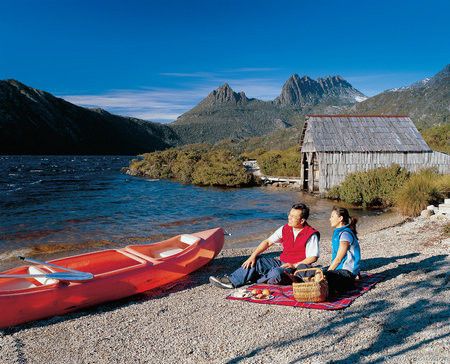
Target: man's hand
{"x":249,"y":263}
{"x":288,"y":265}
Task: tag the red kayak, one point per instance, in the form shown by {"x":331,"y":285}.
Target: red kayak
{"x":115,"y":273}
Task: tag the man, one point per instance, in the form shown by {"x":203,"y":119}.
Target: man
{"x":300,"y":244}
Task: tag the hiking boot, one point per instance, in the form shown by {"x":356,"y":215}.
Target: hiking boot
{"x":221,"y":282}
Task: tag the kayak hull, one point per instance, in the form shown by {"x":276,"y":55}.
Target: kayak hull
{"x":117,"y":274}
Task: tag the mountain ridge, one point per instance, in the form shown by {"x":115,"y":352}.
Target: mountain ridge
{"x":427,"y":102}
{"x":33,"y":121}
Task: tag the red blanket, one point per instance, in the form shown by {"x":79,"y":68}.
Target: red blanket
{"x":282,"y":295}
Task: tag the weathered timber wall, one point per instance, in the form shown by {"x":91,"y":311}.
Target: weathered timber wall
{"x":335,"y":166}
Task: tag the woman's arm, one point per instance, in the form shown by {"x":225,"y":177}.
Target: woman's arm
{"x":342,"y":251}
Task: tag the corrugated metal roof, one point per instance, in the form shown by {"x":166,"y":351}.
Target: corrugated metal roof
{"x":353,"y":133}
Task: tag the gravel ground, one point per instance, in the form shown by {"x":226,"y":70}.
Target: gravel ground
{"x":403,"y":319}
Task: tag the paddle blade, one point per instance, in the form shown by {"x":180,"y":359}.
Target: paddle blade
{"x":60,"y":276}
{"x":70,"y":277}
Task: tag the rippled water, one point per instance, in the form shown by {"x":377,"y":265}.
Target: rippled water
{"x":53,"y":204}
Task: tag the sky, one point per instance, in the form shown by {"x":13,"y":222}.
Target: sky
{"x":157,"y":59}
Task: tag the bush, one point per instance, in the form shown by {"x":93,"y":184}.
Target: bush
{"x":438,"y":137}
{"x":198,"y":164}
{"x":220,"y":168}
{"x":280,"y":162}
{"x":423,"y":188}
{"x":375,"y":187}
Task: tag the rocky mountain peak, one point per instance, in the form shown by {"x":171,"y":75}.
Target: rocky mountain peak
{"x":306,"y":92}
{"x":224,"y":95}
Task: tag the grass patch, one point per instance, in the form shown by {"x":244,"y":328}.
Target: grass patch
{"x":422,"y":189}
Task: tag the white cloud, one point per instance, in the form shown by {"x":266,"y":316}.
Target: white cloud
{"x":150,"y":104}
{"x":166,"y":104}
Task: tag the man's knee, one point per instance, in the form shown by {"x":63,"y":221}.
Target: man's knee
{"x":264,"y":263}
{"x":275,"y":275}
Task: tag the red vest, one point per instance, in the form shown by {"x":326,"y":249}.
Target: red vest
{"x":295,"y":251}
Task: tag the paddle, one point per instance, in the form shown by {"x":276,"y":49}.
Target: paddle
{"x":29,"y":260}
{"x":60,"y":276}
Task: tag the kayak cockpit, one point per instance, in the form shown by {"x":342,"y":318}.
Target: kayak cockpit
{"x":101,"y":262}
{"x":13,"y":284}
{"x":164,"y":249}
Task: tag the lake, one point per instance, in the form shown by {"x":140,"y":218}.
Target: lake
{"x":59,"y":205}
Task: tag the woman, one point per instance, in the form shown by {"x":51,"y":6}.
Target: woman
{"x":345,"y":252}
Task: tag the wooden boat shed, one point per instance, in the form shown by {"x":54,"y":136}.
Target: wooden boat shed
{"x":333,"y":146}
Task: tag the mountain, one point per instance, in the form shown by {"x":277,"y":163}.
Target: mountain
{"x":224,"y":95}
{"x":226,"y":114}
{"x":306,"y":93}
{"x":427,"y":102}
{"x":35,"y":122}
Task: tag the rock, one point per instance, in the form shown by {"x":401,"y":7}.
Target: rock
{"x":427,"y":213}
{"x":432,"y":208}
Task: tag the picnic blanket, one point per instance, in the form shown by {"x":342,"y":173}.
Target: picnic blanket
{"x":282,"y":295}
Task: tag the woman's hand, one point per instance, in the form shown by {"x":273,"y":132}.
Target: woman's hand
{"x":249,"y":263}
{"x":288,"y":265}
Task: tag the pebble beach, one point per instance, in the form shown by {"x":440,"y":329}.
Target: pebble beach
{"x":404,"y":319}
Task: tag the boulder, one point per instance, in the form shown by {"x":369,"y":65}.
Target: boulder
{"x":427,"y":213}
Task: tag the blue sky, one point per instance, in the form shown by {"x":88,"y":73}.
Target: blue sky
{"x":157,"y":59}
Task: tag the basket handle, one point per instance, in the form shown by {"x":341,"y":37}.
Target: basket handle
{"x":316,"y":269}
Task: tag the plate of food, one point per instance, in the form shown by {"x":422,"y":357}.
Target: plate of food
{"x":261,"y":294}
{"x":262,"y":297}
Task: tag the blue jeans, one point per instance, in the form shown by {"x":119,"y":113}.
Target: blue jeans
{"x":265,"y":270}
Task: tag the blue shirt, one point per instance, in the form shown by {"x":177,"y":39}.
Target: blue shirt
{"x":351,"y":260}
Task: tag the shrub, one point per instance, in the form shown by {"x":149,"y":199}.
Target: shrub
{"x":423,"y":188}
{"x":280,"y":162}
{"x":438,"y":137}
{"x":375,"y":187}
{"x":198,"y":164}
{"x":334,"y":193}
{"x":220,"y":168}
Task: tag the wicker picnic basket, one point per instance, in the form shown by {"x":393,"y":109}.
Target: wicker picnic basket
{"x":314,"y":289}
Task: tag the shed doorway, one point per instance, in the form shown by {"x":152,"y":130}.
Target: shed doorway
{"x":305,"y":166}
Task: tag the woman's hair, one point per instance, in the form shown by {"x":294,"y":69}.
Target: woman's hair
{"x":346,"y":219}
{"x":303,"y":208}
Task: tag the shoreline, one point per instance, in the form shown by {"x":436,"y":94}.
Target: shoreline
{"x":403,"y":319}
{"x":54,"y":250}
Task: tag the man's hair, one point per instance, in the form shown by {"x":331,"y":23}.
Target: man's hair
{"x":303,"y":208}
